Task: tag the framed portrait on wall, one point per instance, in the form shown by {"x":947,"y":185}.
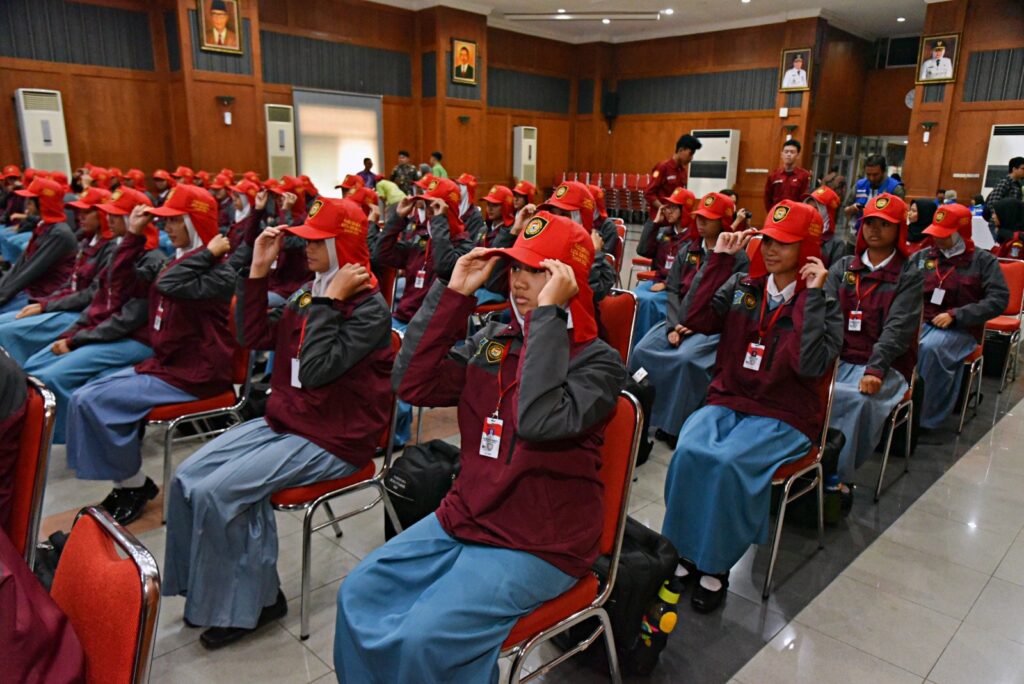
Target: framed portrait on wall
{"x":936,"y":63}
{"x":464,"y":62}
{"x":220,"y":26}
{"x":795,"y":70}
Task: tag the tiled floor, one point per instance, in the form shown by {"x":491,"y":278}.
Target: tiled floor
{"x":926,"y":585}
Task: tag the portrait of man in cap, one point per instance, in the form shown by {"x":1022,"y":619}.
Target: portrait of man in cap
{"x":220,"y":25}
{"x":938,"y":59}
{"x":795,"y":69}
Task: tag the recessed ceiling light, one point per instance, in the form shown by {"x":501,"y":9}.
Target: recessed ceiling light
{"x":606,"y":20}
{"x":746,"y":2}
{"x":563,"y":16}
{"x":668,"y":12}
{"x":561,"y":11}
{"x":901,"y":19}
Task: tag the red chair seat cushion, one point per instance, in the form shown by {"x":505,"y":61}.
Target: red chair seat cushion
{"x":646,"y":275}
{"x":786,"y":470}
{"x":1003,"y":324}
{"x":974,"y":355}
{"x":641,"y":261}
{"x":172,"y":411}
{"x":297,"y":496}
{"x":554,"y":611}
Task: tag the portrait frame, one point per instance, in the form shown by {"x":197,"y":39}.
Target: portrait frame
{"x":233,"y":28}
{"x":951,"y":44}
{"x":472,"y":78}
{"x":786,"y":65}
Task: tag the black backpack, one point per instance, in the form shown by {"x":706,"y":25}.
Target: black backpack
{"x":418,"y":480}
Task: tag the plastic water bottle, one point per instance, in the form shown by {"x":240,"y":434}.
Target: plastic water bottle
{"x":659,"y":621}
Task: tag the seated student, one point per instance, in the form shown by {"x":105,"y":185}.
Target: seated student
{"x":291,"y":270}
{"x":192,"y":352}
{"x":963,"y":288}
{"x":826,"y":201}
{"x":244,"y":213}
{"x":879,"y":290}
{"x":111,"y":333}
{"x":1008,"y":218}
{"x":518,"y":527}
{"x":13,"y":402}
{"x":330,"y":402}
{"x":780,"y":337}
{"x":677,"y":360}
{"x":49,"y":257}
{"x":225,"y":203}
{"x":743,"y":216}
{"x":522,"y":194}
{"x":660,"y":241}
{"x":605,"y":227}
{"x":500,"y":213}
{"x":38,"y":324}
{"x":468,"y":211}
{"x":919,"y":216}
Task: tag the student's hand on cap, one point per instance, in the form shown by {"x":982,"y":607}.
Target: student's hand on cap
{"x":869,"y":384}
{"x":657,"y":287}
{"x":438,"y":207}
{"x":60,"y":347}
{"x":598,"y":240}
{"x":288,"y":200}
{"x":524,"y":215}
{"x":943,"y":320}
{"x":732,"y":243}
{"x":659,"y":217}
{"x":561,"y":285}
{"x":350,"y":280}
{"x":472,"y":271}
{"x":265,"y":251}
{"x":406,"y":205}
{"x":814,"y":272}
{"x":261,"y":199}
{"x":30,"y":310}
{"x":218,"y":246}
{"x":139,"y":219}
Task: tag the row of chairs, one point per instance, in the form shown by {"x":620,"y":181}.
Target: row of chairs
{"x":624,"y":192}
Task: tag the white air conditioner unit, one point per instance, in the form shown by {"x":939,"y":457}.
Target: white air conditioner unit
{"x":1005,"y":143}
{"x":44,"y":140}
{"x":715,"y":163}
{"x":524,"y":153}
{"x":280,"y":140}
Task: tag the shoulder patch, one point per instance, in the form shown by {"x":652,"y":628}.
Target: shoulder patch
{"x":851,"y":279}
{"x":305,"y":299}
{"x":494,"y":351}
{"x":749,"y":301}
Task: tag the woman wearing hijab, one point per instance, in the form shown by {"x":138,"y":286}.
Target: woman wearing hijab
{"x":604,"y":226}
{"x":826,"y":201}
{"x":330,"y":402}
{"x":879,"y":290}
{"x":780,"y":335}
{"x":963,"y":288}
{"x":678,"y":361}
{"x":518,"y":527}
{"x":470,"y":214}
{"x":290,"y":271}
{"x":1008,"y":218}
{"x":919,"y":217}
{"x":188,"y":330}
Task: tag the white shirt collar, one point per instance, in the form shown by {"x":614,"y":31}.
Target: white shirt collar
{"x":776,"y":296}
{"x":871,"y":267}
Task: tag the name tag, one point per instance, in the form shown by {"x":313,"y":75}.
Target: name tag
{"x":296,"y":383}
{"x":853,"y":323}
{"x":157,"y":322}
{"x":490,"y":440}
{"x":753,"y":357}
{"x":1015,"y":252}
{"x":938,"y":294}
{"x":421,"y":278}
{"x":669,"y":260}
{"x":640,"y":374}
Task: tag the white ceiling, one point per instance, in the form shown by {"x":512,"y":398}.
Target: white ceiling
{"x":866,"y":18}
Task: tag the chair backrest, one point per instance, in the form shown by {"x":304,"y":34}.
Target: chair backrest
{"x":111,"y":602}
{"x":752,"y":245}
{"x":618,"y":458}
{"x":828,"y":388}
{"x":618,"y":316}
{"x":387,"y":278}
{"x":1013,"y":271}
{"x":31,"y":468}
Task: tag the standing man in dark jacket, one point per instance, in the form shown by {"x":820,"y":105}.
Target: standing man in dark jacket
{"x":671,"y":173}
{"x":788,"y":181}
{"x":404,"y":174}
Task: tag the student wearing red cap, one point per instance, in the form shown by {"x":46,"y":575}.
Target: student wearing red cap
{"x":826,"y":201}
{"x":963,"y":288}
{"x":780,"y":336}
{"x":291,"y":269}
{"x":10,"y":180}
{"x":330,"y":402}
{"x":470,"y":214}
{"x":500,"y":213}
{"x":522,"y":194}
{"x":676,"y":360}
{"x":879,"y":290}
{"x":135,"y":179}
{"x":184,"y":175}
{"x":349,"y":184}
{"x":604,"y":226}
{"x":660,"y":241}
{"x":518,"y":527}
{"x":163,"y":182}
{"x":192,"y":352}
{"x":49,"y":256}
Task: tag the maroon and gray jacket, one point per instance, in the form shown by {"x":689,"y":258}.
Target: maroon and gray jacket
{"x":345,"y":360}
{"x":192,"y":350}
{"x":543,"y":493}
{"x":890,"y":303}
{"x":13,"y":402}
{"x":691,"y":260}
{"x":657,"y":242}
{"x":976,"y":290}
{"x":834,"y":248}
{"x":44,"y":266}
{"x":799,"y":350}
{"x":77,"y":292}
{"x":119,"y":307}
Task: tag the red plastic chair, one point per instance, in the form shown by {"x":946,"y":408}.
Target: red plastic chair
{"x":901,"y":415}
{"x":587,"y":598}
{"x":974,"y":364}
{"x":30,"y":470}
{"x":638,"y":263}
{"x":310,"y":497}
{"x":111,"y":602}
{"x":1008,"y":325}
{"x":618,"y":315}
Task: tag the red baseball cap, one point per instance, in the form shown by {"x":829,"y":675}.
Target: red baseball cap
{"x":892,"y":209}
{"x":309,"y":184}
{"x":683,"y":198}
{"x":244,"y":187}
{"x":220,"y":182}
{"x":447,"y":190}
{"x":351,"y":181}
{"x":61,"y":178}
{"x":137,"y":176}
{"x":715,"y":205}
{"x":227,"y":173}
{"x":11,"y":171}
{"x":31,"y":173}
{"x":425,"y":181}
{"x":573,"y":196}
{"x":343,"y":221}
{"x":504,"y":198}
{"x":115,"y":173}
{"x":50,"y":196}
{"x":271,"y":184}
{"x":790,"y":222}
{"x":100,"y":176}
{"x":251,"y":175}
{"x":184,"y":173}
{"x":195,"y":202}
{"x":123,"y":200}
{"x":90,"y":199}
{"x":162,"y":174}
{"x":365,"y":197}
{"x":525,"y":188}
{"x":949,"y":219}
{"x":828,"y":198}
{"x":203,"y":176}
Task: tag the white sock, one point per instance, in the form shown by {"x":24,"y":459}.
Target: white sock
{"x":711,"y":583}
{"x":136,"y":480}
{"x":681,"y":571}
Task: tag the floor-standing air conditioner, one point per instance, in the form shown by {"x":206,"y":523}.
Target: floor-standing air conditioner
{"x":524,"y":153}
{"x":714,"y":165}
{"x":280,"y":140}
{"x":1005,"y":143}
{"x":44,"y":140}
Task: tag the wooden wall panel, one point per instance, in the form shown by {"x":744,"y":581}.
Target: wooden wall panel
{"x":401,"y":132}
{"x":462,"y":149}
{"x":839,"y":95}
{"x":239,"y":146}
{"x":883,"y":111}
{"x":347,"y":21}
{"x":527,"y":53}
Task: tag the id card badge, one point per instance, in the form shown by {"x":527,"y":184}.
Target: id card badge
{"x":640,"y":374}
{"x":490,"y":440}
{"x":421,"y":278}
{"x":1015,"y":252}
{"x":157,"y":320}
{"x":853,"y":323}
{"x":273,"y":264}
{"x":669,"y":260}
{"x":938,"y":294}
{"x":296,"y":383}
{"x":753,"y":357}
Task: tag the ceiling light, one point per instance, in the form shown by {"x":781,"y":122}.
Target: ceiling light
{"x":746,"y":2}
{"x":564,"y":16}
{"x":561,"y":11}
{"x":585,"y":16}
{"x":668,"y":12}
{"x":901,"y":19}
{"x":606,"y":20}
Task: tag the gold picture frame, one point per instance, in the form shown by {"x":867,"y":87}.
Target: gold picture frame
{"x":220,"y":26}
{"x":937,"y":59}
{"x":795,"y":70}
{"x":464,"y":65}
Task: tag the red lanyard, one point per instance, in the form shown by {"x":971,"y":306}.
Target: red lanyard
{"x":866,"y":294}
{"x":941,"y":277}
{"x":302,"y":336}
{"x":506,"y":390}
{"x":762,"y":331}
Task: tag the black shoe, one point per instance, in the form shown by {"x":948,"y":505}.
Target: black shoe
{"x":132,"y":501}
{"x":707,"y":601}
{"x":111,"y":502}
{"x":666,"y":437}
{"x":217,"y":637}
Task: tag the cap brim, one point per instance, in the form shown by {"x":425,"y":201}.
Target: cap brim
{"x":24,"y":192}
{"x":11,"y":175}
{"x":779,"y":235}
{"x":492,"y":199}
{"x":519,"y":253}
{"x":78,"y":204}
{"x":113,"y":209}
{"x":703,"y":211}
{"x":938,"y":231}
{"x":165,"y":211}
{"x":308,"y":232}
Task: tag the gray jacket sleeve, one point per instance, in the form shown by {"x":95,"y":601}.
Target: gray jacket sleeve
{"x":337,"y":340}
{"x":602,"y":278}
{"x":132,"y":316}
{"x":674,"y":304}
{"x":559,"y":397}
{"x":75,"y":301}
{"x":475,"y":225}
{"x":610,"y":234}
{"x":444,"y":251}
{"x":498,"y":282}
{"x":821,"y":339}
{"x":54,"y":245}
{"x":997,"y":294}
{"x":199,"y":276}
{"x":647,"y":247}
{"x":903,"y":322}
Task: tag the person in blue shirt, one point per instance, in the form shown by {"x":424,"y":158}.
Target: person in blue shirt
{"x":875,"y":182}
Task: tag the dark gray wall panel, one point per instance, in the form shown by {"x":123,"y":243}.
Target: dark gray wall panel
{"x":521,"y":90}
{"x":995,"y":75}
{"x":747,"y":90}
{"x":173,"y":44}
{"x":585,"y":96}
{"x":428,"y":88}
{"x":794,"y":100}
{"x":223,"y":62}
{"x":935,"y":92}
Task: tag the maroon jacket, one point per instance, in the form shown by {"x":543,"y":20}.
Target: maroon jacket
{"x":77,"y":291}
{"x":665,"y":177}
{"x":542,"y":494}
{"x":192,"y":348}
{"x":793,"y":185}
{"x":975,"y":289}
{"x":44,"y":266}
{"x":658,"y":243}
{"x":345,"y":363}
{"x":13,"y":403}
{"x":799,"y":350}
{"x":689,"y":263}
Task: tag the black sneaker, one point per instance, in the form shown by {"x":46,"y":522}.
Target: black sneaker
{"x":666,"y":437}
{"x":132,"y":502}
{"x":218,"y":637}
{"x":112,"y":500}
{"x":707,"y":601}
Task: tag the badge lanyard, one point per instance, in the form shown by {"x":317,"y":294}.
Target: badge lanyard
{"x":421,"y":275}
{"x":490,"y":440}
{"x":856,"y":318}
{"x":159,"y":318}
{"x":755,"y":350}
{"x":296,"y":383}
{"x":939,"y":293}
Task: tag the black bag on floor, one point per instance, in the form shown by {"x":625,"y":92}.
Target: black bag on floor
{"x":418,"y":480}
{"x":647,"y":561}
{"x":996,"y":349}
{"x":644,"y":392}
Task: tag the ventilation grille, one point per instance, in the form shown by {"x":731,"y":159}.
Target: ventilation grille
{"x":48,"y":160}
{"x":281,"y":166}
{"x":279,"y":114}
{"x":709,"y":170}
{"x":1008,"y":130}
{"x":712,"y":134}
{"x":40,"y":100}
